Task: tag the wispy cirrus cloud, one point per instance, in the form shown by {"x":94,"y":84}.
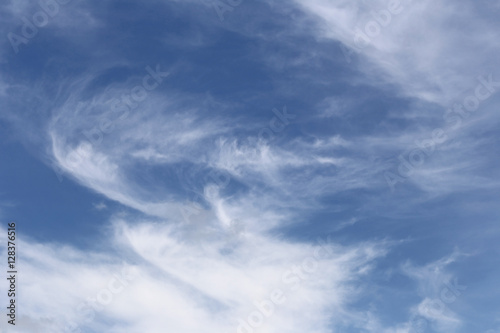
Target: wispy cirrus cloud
{"x":412,"y":54}
{"x":201,"y":281}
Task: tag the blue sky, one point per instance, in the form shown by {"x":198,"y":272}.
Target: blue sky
{"x":252,"y":166}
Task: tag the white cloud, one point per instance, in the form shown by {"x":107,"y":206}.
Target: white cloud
{"x":439,"y":290}
{"x":161,"y":281}
{"x":428,"y":48}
